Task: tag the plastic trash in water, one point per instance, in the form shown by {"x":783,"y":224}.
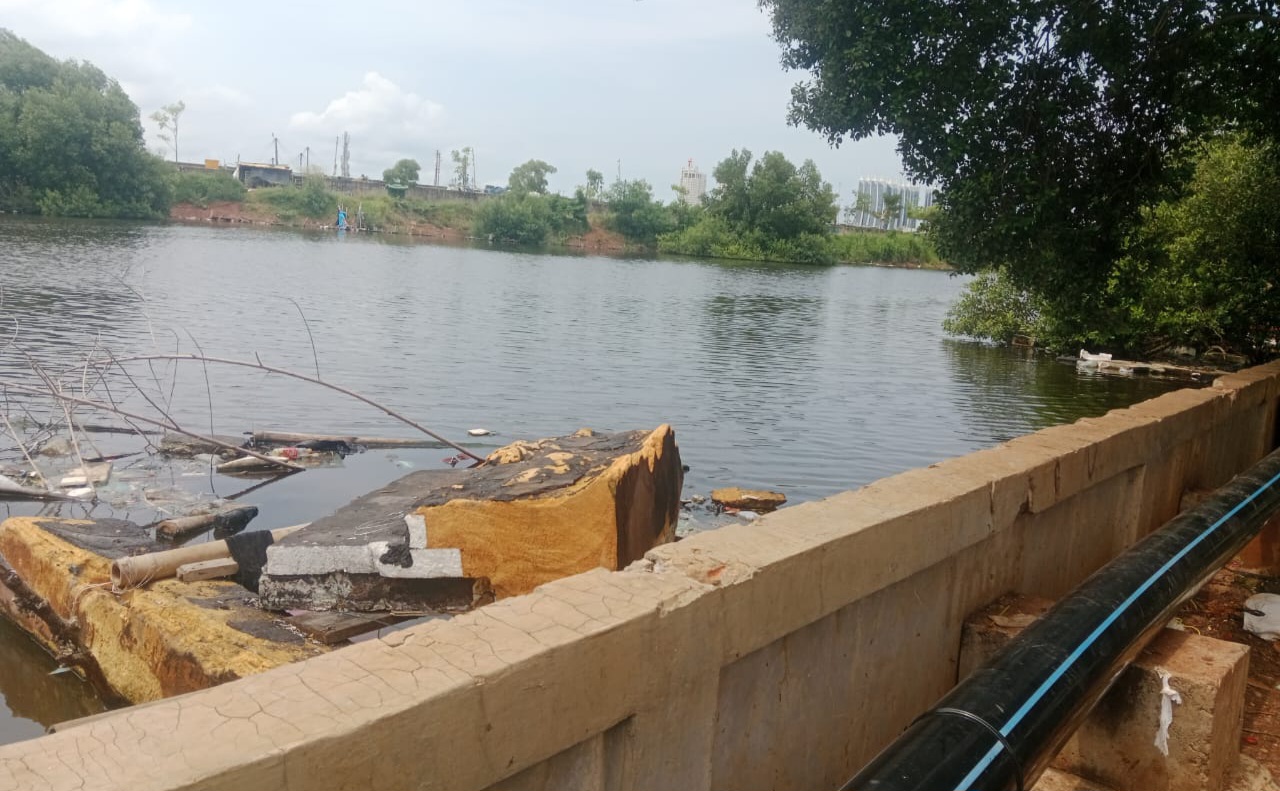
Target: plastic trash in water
{"x":480,"y":432}
{"x":1262,"y":615}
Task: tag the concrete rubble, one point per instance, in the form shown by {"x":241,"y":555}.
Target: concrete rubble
{"x":537,"y":511}
{"x":433,"y":542}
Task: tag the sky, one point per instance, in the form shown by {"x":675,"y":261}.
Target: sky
{"x":636,"y":86}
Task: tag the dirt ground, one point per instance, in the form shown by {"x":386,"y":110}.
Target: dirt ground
{"x":1216,"y":611}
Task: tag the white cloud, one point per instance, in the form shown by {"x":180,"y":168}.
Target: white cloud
{"x":379,"y":107}
{"x":89,"y":19}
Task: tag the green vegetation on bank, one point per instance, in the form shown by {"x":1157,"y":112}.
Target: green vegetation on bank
{"x":202,"y":189}
{"x":768,"y":210}
{"x":1198,"y":270}
{"x":1113,"y":167}
{"x":71,"y":141}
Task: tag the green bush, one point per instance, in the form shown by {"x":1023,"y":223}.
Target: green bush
{"x":204,"y":188}
{"x":993,"y":308}
{"x":313,"y":199}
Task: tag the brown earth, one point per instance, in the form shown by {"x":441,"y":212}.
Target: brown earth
{"x":598,"y":240}
{"x":1216,"y":611}
{"x":223,"y":212}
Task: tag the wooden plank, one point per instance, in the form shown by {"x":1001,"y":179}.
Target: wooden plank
{"x":335,"y":627}
{"x":200,"y":571}
{"x":293,"y":437}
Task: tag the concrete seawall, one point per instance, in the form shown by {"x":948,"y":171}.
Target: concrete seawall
{"x":776,"y":655}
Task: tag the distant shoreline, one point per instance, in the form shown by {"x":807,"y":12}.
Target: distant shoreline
{"x":597,"y":240}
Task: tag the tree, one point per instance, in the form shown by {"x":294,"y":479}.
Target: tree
{"x":1048,"y":125}
{"x":890,"y":209}
{"x":635,"y":214}
{"x":860,"y":210}
{"x":71,"y":141}
{"x":530,"y":177}
{"x":403,"y":172}
{"x":595,"y":185}
{"x":462,"y":168}
{"x":167,"y":118}
{"x":772,"y":197}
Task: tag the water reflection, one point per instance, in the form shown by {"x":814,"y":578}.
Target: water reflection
{"x":36,"y":699}
{"x":1008,"y":392}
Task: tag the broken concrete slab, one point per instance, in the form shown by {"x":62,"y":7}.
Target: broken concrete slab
{"x":341,"y":591}
{"x":536,"y":511}
{"x":376,"y":557}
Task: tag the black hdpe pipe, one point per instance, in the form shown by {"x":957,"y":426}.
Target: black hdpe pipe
{"x":998,"y":729}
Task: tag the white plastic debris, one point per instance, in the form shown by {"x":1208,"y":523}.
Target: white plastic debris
{"x":480,"y":432}
{"x":1266,"y":625}
{"x":1168,"y":698}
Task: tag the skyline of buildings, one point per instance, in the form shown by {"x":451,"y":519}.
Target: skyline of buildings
{"x":914,"y":196}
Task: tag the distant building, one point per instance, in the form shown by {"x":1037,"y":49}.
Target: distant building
{"x":252,"y":174}
{"x":872,"y":193}
{"x":693,"y":184}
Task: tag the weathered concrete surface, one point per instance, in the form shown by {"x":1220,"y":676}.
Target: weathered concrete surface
{"x":574,"y":503}
{"x":535,"y":513}
{"x":1115,"y":744}
{"x":151,"y":643}
{"x":761,"y":656}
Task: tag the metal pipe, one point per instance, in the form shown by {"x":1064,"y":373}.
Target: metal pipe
{"x":998,"y":729}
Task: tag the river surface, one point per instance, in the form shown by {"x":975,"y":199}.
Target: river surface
{"x":805,"y":380}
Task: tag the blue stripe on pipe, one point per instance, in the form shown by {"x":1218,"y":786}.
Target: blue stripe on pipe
{"x":966,"y":783}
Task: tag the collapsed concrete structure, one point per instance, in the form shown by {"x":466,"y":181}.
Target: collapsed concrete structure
{"x":539,"y":511}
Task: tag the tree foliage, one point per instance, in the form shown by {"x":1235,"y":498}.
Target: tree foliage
{"x":71,"y":141}
{"x":462,"y":175}
{"x":595,"y":184}
{"x":202,"y":188}
{"x":530,"y":177}
{"x":635,"y":214}
{"x":769,"y":210}
{"x":530,"y":218}
{"x":167,"y":119}
{"x":1048,"y":124}
{"x":994,"y":308}
{"x":403,"y":172}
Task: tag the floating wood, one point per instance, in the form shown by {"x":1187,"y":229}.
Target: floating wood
{"x":200,"y":571}
{"x":335,"y":627}
{"x":228,"y":520}
{"x":293,"y":438}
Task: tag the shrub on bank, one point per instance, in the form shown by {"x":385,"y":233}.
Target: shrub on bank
{"x":202,"y":189}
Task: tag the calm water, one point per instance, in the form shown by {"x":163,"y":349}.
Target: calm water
{"x":800,"y":379}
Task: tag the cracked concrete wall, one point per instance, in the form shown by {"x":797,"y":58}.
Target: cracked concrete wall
{"x":779,"y":654}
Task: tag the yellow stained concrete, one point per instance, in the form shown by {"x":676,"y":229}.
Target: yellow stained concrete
{"x":152,"y":642}
{"x":604,"y":520}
